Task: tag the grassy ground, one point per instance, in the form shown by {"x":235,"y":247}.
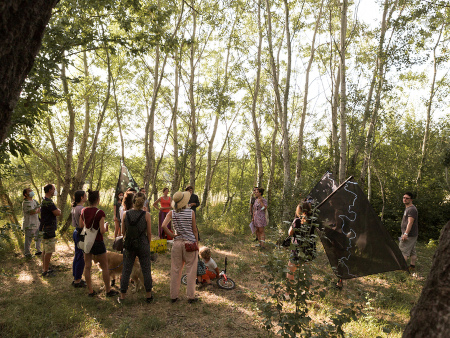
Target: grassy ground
{"x":33,"y":306}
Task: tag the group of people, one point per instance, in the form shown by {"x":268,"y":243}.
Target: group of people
{"x":133,"y":222}
{"x":302,"y":235}
{"x":176,"y":221}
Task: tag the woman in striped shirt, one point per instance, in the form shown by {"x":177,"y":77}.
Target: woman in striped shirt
{"x":185,"y":232}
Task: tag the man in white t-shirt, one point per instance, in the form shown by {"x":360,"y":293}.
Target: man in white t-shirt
{"x":31,"y":209}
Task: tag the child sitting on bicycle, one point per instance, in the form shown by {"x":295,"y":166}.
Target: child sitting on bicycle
{"x":212,"y":271}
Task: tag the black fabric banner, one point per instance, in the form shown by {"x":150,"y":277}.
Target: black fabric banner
{"x":323,"y":188}
{"x":125,"y":181}
{"x":355,"y":241}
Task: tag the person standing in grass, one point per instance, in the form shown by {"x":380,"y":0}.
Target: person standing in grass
{"x":48,"y":226}
{"x":185,"y":228}
{"x":302,"y":233}
{"x":78,"y":259}
{"x":31,"y":210}
{"x":117,"y":220}
{"x":92,"y":217}
{"x":137,"y":231}
{"x":410,"y":231}
{"x":164,"y":201}
{"x":259,"y":215}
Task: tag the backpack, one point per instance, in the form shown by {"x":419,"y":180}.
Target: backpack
{"x":131,"y":242}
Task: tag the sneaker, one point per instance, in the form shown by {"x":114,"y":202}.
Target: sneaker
{"x":149,"y":300}
{"x":112,"y":293}
{"x":174,"y":300}
{"x":38,"y":253}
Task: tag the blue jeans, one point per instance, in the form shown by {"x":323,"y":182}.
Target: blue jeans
{"x":78,"y":259}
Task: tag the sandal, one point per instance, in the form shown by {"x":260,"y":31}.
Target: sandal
{"x":112,"y":293}
{"x":149,"y":300}
{"x":193,"y":300}
{"x":93,"y":294}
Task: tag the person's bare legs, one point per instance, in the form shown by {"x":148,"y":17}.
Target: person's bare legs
{"x":103,"y":261}
{"x":87,"y":271}
{"x":413,"y":260}
{"x":46,"y":261}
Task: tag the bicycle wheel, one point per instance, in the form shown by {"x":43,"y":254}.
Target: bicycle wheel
{"x":184,"y":279}
{"x":226,"y":284}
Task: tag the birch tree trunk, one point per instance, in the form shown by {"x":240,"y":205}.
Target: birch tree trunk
{"x":193,"y":145}
{"x":260,"y":171}
{"x":298,"y":167}
{"x":343,"y":98}
{"x":176,"y":173}
{"x":429,"y":105}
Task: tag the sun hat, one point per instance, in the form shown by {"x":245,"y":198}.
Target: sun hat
{"x":180,"y":199}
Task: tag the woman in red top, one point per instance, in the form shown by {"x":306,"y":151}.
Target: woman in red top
{"x":94,"y":217}
{"x":164,"y":201}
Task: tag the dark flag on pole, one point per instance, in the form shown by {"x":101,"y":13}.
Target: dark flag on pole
{"x":125,"y":181}
{"x":355,"y":241}
{"x":323,"y":188}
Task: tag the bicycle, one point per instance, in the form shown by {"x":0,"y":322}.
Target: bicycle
{"x":223,"y":282}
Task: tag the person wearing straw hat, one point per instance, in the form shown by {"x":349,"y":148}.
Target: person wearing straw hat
{"x":183,"y":222}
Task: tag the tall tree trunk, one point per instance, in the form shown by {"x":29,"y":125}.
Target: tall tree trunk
{"x":27,"y":167}
{"x":334,"y":124}
{"x":193,"y":145}
{"x":260,"y":171}
{"x":430,"y":316}
{"x":377,"y":79}
{"x":343,"y":98}
{"x":22,"y":25}
{"x":282,"y":108}
{"x":87,"y":119}
{"x":298,"y":167}
{"x":99,"y":123}
{"x":429,"y":105}
{"x":176,"y":173}
{"x":273,"y":159}
{"x":117,"y":112}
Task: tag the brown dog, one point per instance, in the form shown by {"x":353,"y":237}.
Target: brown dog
{"x":115,"y":265}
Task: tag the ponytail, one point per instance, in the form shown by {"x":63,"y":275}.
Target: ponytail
{"x":79,"y":194}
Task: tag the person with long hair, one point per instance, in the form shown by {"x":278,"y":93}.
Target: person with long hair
{"x":259,"y":215}
{"x":94,"y":217}
{"x":164,"y":209}
{"x":185,"y":228}
{"x":302,"y":233}
{"x":79,"y":199}
{"x":137,"y":223}
{"x":127,"y":202}
{"x":117,"y":220}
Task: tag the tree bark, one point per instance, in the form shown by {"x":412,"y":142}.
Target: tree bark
{"x":430,"y":317}
{"x":298,"y":167}
{"x":343,"y":98}
{"x":176,"y":172}
{"x":429,"y":105}
{"x":193,"y":145}
{"x":22,"y":25}
{"x":260,"y":171}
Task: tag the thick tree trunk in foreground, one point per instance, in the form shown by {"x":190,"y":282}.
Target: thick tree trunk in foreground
{"x":22,"y":25}
{"x":430,"y":317}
